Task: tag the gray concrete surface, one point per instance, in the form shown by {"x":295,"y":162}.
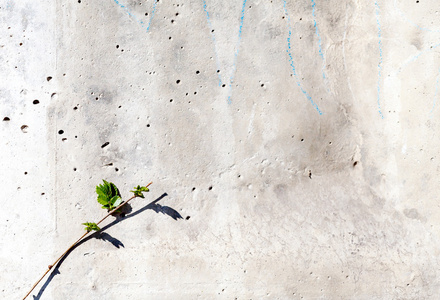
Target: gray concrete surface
{"x":298,"y":140}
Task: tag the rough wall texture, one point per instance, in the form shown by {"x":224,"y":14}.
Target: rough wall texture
{"x":297,"y":139}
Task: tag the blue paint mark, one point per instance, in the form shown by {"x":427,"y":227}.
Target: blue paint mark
{"x":134,"y":17}
{"x":234,"y":65}
{"x":379,"y":65}
{"x":436,"y":93}
{"x":213,"y":41}
{"x":289,"y":51}
{"x":319,"y":39}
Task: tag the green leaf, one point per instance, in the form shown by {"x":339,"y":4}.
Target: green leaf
{"x":91,"y":226}
{"x":117,"y":202}
{"x":108,"y":195}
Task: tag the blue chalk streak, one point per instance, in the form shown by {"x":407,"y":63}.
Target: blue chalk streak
{"x":152,"y":14}
{"x":214,"y":42}
{"x":234,"y":68}
{"x":289,"y":51}
{"x":319,"y":39}
{"x":134,"y":17}
{"x":380,"y":58}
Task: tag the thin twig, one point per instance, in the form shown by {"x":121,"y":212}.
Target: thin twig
{"x":73,"y":245}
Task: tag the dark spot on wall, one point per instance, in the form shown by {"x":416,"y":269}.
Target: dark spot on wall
{"x":42,"y":194}
{"x":187,"y":218}
{"x":223,"y":85}
{"x":53,"y":95}
{"x":74,"y":169}
{"x":117,"y":46}
{"x":64,"y":139}
{"x":5,"y":119}
{"x":60,"y":131}
{"x":355,"y":163}
{"x":116,"y":169}
{"x":25,"y":173}
{"x":49,"y":78}
{"x":178,"y":81}
{"x":302,"y":140}
{"x":75,"y":108}
{"x":197,"y":72}
{"x":79,"y":1}
{"x":105,"y":144}
{"x":262,"y":85}
{"x":171,"y":100}
{"x":24,"y":128}
{"x":148,"y":125}
{"x":35,"y":101}
{"x":310,"y":174}
{"x":193,"y":189}
{"x":210,"y":188}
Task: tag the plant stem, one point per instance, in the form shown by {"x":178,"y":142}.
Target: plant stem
{"x":73,"y":245}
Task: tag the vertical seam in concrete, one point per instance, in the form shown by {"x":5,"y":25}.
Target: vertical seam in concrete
{"x":379,"y":65}
{"x":213,"y":41}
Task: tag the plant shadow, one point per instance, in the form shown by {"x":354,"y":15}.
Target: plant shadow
{"x":107,"y":237}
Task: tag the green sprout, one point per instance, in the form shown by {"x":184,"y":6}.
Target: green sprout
{"x":139,"y":190}
{"x":91,"y":226}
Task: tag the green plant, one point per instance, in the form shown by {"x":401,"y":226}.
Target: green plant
{"x":110,"y":199}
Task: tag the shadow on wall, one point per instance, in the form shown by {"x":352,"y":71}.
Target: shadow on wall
{"x":107,"y":237}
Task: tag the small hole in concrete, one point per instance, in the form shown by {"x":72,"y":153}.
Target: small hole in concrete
{"x":49,"y":78}
{"x":64,"y":139}
{"x":105,"y":144}
{"x":148,"y":125}
{"x":171,"y":100}
{"x":24,"y":128}
{"x":210,"y":188}
{"x":197,"y":72}
{"x":355,"y":163}
{"x":6,"y":119}
{"x":60,"y":131}
{"x":75,"y":108}
{"x":74,"y":169}
{"x":25,"y":173}
{"x":35,"y":101}
{"x":178,"y":81}
{"x":193,"y":189}
{"x":187,"y":218}
{"x":42,"y":194}
{"x":223,"y":85}
{"x":302,"y":140}
{"x":116,"y":169}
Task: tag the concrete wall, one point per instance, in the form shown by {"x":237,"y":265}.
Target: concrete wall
{"x":298,"y":141}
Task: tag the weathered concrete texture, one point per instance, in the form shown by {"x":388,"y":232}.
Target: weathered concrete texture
{"x":297,"y":139}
